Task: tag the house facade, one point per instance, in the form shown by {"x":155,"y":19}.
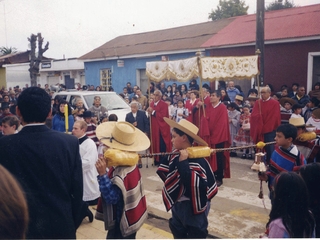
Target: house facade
{"x":292,"y":49}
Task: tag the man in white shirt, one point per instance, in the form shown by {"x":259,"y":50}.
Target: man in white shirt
{"x":89,"y":156}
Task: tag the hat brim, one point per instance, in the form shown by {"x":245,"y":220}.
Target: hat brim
{"x":287,"y":99}
{"x":141,"y":140}
{"x":195,"y":137}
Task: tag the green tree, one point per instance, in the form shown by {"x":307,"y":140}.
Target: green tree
{"x":229,"y":8}
{"x":7,"y":50}
{"x":277,"y":5}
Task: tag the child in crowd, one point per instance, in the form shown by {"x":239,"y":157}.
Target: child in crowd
{"x":176,"y":97}
{"x":286,"y":157}
{"x":181,"y":112}
{"x":10,"y":125}
{"x":296,"y":111}
{"x":286,"y":105}
{"x":314,"y":120}
{"x":234,"y":117}
{"x":171,"y":108}
{"x":243,"y":136}
{"x":310,"y":106}
{"x":290,"y":216}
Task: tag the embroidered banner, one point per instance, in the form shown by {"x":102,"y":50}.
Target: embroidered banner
{"x":213,"y":68}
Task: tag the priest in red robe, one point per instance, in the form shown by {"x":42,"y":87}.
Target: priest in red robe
{"x":160,"y":130}
{"x":217,"y":115}
{"x":265,"y":118}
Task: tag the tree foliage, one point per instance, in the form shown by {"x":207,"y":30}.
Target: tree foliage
{"x":7,"y":50}
{"x":229,"y":8}
{"x":277,"y":5}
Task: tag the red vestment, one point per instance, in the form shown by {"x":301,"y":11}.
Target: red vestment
{"x":190,"y":107}
{"x":159,"y":127}
{"x":219,"y":133}
{"x":265,"y":118}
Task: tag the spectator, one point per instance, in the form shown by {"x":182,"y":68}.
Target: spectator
{"x":314,"y":120}
{"x":284,"y":92}
{"x":252,"y":92}
{"x":133,"y":93}
{"x":193,"y":85}
{"x":181,"y":112}
{"x":59,"y":122}
{"x":290,"y":216}
{"x":286,"y":157}
{"x":97,"y":109}
{"x":232,"y":91}
{"x":311,"y":105}
{"x":142,"y":99}
{"x":192,"y":103}
{"x":224,"y":95}
{"x":296,"y":111}
{"x":240,"y":90}
{"x":14,"y":215}
{"x":169,"y":92}
{"x":91,"y":126}
{"x":294,"y":88}
{"x":125,"y":92}
{"x":271,"y":88}
{"x":311,"y":176}
{"x":183,"y":88}
{"x":129,"y":88}
{"x":10,"y":125}
{"x":238,"y":100}
{"x":315,"y":92}
{"x":171,"y":108}
{"x":234,"y":118}
{"x":286,"y":104}
{"x":113,"y":118}
{"x":301,"y":97}
{"x":151,"y":89}
{"x":47,"y":165}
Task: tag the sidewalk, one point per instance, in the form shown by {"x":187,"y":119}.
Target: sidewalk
{"x":95,"y":230}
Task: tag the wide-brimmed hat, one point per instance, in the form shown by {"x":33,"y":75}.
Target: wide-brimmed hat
{"x":252,"y":97}
{"x":123,"y":136}
{"x":287,"y":99}
{"x":316,"y":113}
{"x":297,"y":122}
{"x":188,"y":128}
{"x":239,"y":97}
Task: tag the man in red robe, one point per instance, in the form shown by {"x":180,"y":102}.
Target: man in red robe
{"x":217,"y":115}
{"x":265,"y":118}
{"x":200,"y":116}
{"x":160,"y":130}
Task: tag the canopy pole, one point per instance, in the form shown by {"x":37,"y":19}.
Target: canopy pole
{"x":200,"y":77}
{"x":150,"y":115}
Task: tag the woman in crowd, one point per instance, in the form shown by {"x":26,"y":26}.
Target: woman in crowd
{"x":14,"y":215}
{"x":315,"y":92}
{"x":58,"y":121}
{"x":169,"y":92}
{"x":224,"y":95}
{"x":290,"y":216}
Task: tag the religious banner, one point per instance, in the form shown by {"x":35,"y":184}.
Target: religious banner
{"x":212,"y":68}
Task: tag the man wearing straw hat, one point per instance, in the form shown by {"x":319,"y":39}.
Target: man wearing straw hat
{"x":123,"y":199}
{"x":189,"y":184}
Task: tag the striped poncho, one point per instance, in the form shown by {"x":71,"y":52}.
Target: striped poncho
{"x":192,"y":178}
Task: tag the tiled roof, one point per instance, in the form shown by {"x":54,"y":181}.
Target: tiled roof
{"x":173,"y":39}
{"x":297,"y":22}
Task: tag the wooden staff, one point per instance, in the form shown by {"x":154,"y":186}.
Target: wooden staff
{"x":207,"y":151}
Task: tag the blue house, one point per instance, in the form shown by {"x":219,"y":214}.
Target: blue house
{"x":124,"y":58}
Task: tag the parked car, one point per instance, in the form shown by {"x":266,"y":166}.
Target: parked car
{"x":111,"y":100}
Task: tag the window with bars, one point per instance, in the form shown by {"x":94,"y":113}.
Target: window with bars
{"x":105,"y":79}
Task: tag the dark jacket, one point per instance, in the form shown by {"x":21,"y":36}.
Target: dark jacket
{"x":48,"y":166}
{"x":141,"y":119}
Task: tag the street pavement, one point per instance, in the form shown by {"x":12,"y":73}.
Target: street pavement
{"x":236,"y":211}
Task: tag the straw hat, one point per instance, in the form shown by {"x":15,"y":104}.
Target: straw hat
{"x":123,"y":136}
{"x":252,"y":97}
{"x":239,"y":97}
{"x":297,"y":122}
{"x":188,"y":128}
{"x":287,"y":99}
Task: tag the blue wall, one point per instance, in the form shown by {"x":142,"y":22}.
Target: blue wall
{"x":122,"y":75}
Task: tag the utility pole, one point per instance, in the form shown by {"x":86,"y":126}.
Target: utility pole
{"x":260,"y":38}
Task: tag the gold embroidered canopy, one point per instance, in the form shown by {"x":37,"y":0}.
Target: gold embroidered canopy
{"x":211,"y":68}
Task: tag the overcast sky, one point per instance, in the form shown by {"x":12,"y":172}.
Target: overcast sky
{"x":75,"y":27}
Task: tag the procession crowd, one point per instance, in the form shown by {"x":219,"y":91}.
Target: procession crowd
{"x":174,"y":118}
